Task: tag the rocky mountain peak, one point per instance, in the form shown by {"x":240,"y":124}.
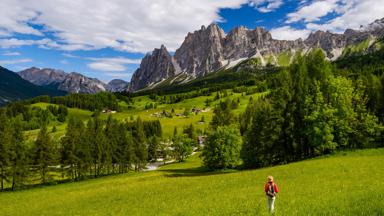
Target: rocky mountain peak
{"x":154,"y":67}
{"x":201,"y":51}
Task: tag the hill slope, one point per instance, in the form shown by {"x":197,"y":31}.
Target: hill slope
{"x":344,"y":184}
{"x":13,"y":87}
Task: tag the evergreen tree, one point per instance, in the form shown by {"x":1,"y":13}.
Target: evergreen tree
{"x":223,"y":114}
{"x":18,"y":155}
{"x":140,"y":145}
{"x":263,"y":134}
{"x":153,"y":148}
{"x":44,"y":152}
{"x":71,"y":154}
{"x":5,"y":143}
{"x":127,"y":146}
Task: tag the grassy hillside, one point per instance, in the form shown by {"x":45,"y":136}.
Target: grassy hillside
{"x":343,"y":184}
{"x":168,"y":124}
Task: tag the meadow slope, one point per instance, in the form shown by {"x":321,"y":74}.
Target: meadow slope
{"x":347,"y":183}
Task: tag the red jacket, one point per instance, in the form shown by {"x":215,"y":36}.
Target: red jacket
{"x":274,"y":187}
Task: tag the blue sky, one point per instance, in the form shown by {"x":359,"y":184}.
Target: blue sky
{"x":107,"y":39}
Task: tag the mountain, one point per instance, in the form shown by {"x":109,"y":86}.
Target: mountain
{"x":117,"y":85}
{"x":78,"y":83}
{"x":13,"y":87}
{"x":57,"y":79}
{"x":154,"y":67}
{"x":43,"y":77}
{"x":210,"y":49}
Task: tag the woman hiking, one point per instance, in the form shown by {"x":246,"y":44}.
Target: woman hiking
{"x":271,"y":190}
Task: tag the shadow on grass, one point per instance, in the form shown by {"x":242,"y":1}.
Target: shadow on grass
{"x":194,"y":172}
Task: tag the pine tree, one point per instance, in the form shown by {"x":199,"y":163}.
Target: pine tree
{"x":70,"y":147}
{"x":44,"y":152}
{"x":140,"y":145}
{"x":128,"y":155}
{"x":5,"y":142}
{"x":18,"y":155}
{"x":113,"y":146}
{"x":223,"y":114}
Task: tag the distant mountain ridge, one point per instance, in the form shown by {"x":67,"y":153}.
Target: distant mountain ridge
{"x":117,"y":85}
{"x":13,"y":88}
{"x":69,"y":82}
{"x":210,"y":49}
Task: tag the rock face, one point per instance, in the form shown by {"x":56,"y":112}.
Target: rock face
{"x":210,"y":49}
{"x":77,"y":83}
{"x":154,"y":67}
{"x":201,"y":51}
{"x":72,"y":82}
{"x":43,"y":77}
{"x":117,"y":85}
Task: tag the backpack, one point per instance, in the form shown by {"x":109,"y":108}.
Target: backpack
{"x":271,"y":190}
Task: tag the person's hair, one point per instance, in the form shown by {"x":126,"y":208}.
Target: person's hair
{"x":270,"y":178}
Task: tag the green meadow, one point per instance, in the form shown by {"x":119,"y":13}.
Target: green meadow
{"x":346,"y":183}
{"x":138,"y":110}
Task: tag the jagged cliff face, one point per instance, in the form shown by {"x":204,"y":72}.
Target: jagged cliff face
{"x":72,"y":83}
{"x":201,"y":51}
{"x":154,"y":67}
{"x":209,"y":49}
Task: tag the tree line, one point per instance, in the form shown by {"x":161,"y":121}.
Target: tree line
{"x":99,"y":147}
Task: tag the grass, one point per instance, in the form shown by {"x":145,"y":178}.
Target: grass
{"x":138,"y":110}
{"x":357,"y":48}
{"x":348,"y":183}
{"x":284,"y":58}
{"x":60,"y":127}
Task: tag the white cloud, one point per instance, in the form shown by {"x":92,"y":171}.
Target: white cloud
{"x":265,"y":6}
{"x":15,"y":61}
{"x":15,"y":17}
{"x":349,"y":14}
{"x":117,"y":64}
{"x":10,"y":54}
{"x":127,"y":25}
{"x":313,"y":11}
{"x":13,"y":42}
{"x":289,"y":33}
{"x":360,"y":12}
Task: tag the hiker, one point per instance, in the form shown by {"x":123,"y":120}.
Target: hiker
{"x":271,"y":190}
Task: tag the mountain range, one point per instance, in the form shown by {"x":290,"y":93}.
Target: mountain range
{"x":70,"y":82}
{"x":210,"y":49}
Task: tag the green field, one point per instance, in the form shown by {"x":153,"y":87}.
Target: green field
{"x":138,"y":110}
{"x":347,"y":183}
